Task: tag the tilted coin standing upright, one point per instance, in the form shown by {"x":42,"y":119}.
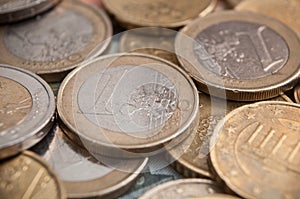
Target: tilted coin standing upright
{"x":26,"y":110}
{"x":183,"y":188}
{"x":127,"y":104}
{"x":83,"y":175}
{"x":28,"y":176}
{"x":256,"y":145}
{"x":54,"y":43}
{"x":16,"y":10}
{"x":248,"y":55}
{"x":162,"y":13}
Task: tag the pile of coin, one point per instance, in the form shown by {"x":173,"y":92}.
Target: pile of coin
{"x":205,"y":92}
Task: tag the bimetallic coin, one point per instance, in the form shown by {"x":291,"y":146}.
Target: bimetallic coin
{"x":16,"y":10}
{"x":191,"y":155}
{"x":250,"y":56}
{"x":155,"y":41}
{"x":26,"y":110}
{"x":183,"y":188}
{"x":255,"y":146}
{"x":28,"y":176}
{"x":288,"y":12}
{"x":56,"y":42}
{"x":84,"y":176}
{"x":297,"y":94}
{"x":169,"y":14}
{"x":128,"y":104}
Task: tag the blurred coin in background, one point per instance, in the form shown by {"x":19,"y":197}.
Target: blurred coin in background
{"x":57,"y":41}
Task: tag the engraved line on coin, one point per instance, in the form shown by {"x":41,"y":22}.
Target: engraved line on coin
{"x":33,"y":184}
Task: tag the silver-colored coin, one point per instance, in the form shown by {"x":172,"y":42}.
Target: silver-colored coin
{"x":83,"y":175}
{"x":15,"y":10}
{"x":26,"y":110}
{"x":128,"y":103}
{"x":56,"y":42}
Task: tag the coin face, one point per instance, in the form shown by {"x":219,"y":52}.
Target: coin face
{"x":83,"y":175}
{"x":128,"y":102}
{"x":27,"y":176}
{"x":15,"y":10}
{"x":258,"y":144}
{"x":247,"y":55}
{"x":297,"y":94}
{"x":184,"y":188}
{"x":160,"y":43}
{"x":285,"y":11}
{"x":191,"y":155}
{"x":26,"y":109}
{"x":158,"y":12}
{"x":56,"y":41}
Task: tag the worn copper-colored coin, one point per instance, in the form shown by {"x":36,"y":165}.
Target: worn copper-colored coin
{"x":127,"y":104}
{"x":27,"y":107}
{"x":191,"y":156}
{"x":15,"y":10}
{"x":57,"y":41}
{"x":297,"y":93}
{"x":160,"y":43}
{"x":183,"y":188}
{"x":257,"y":145}
{"x":248,"y":55}
{"x":84,"y":176}
{"x":169,"y":14}
{"x":288,"y":12}
{"x":28,"y":176}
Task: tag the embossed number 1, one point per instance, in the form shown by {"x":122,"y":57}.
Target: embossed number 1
{"x":262,"y":50}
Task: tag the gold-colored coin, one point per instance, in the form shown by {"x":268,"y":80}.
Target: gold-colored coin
{"x":28,"y":176}
{"x":233,"y":3}
{"x":154,"y":41}
{"x":162,"y":13}
{"x":128,"y":104}
{"x":297,"y":93}
{"x":247,"y":55}
{"x":183,"y":188}
{"x":287,"y":11}
{"x":55,"y":42}
{"x":190,"y":157}
{"x":255,"y":146}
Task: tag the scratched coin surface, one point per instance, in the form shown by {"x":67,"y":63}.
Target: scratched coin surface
{"x":257,"y":145}
{"x":285,"y":11}
{"x":56,"y":42}
{"x":28,"y":176}
{"x":83,"y":175}
{"x":183,"y":188}
{"x":297,"y":93}
{"x":170,"y":14}
{"x":26,"y":110}
{"x":250,"y":56}
{"x":15,"y":10}
{"x":192,"y":154}
{"x":128,"y":102}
